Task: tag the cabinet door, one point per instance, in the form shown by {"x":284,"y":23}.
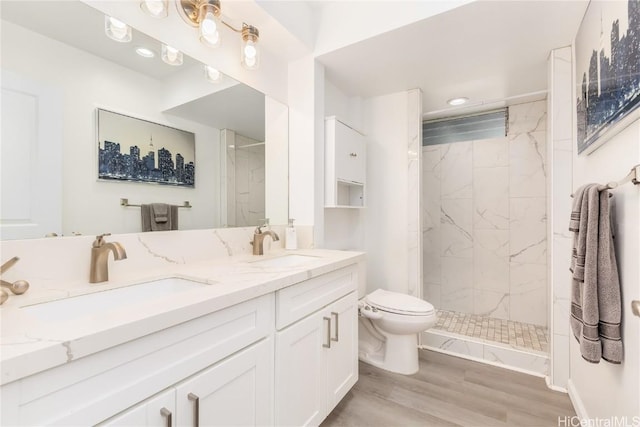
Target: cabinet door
{"x":350,"y":154}
{"x":342,"y":358}
{"x":300,"y":371}
{"x":234,"y":392}
{"x":157,"y":411}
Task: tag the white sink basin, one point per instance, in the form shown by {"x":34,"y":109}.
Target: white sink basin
{"x":104,"y":301}
{"x":290,"y":260}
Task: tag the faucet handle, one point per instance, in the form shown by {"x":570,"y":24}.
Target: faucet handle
{"x":99,"y":240}
{"x":7,"y":265}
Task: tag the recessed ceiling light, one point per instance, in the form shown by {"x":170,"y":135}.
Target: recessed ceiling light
{"x":457,"y":101}
{"x":144,"y":52}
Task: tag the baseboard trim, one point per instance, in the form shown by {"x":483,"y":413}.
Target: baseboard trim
{"x":577,"y":402}
{"x":554,"y":387}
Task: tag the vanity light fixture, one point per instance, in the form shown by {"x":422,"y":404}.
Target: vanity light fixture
{"x":249,"y":54}
{"x":171,"y":56}
{"x":457,"y":101}
{"x":207,"y":16}
{"x":212,"y":74}
{"x":155,"y":8}
{"x":116,"y":29}
{"x":144,"y":52}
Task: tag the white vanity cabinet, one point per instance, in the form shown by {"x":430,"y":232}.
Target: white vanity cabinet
{"x":283,"y":358}
{"x":118,"y":385}
{"x":316,"y":347}
{"x":235,"y":391}
{"x":345,"y":165}
{"x":157,"y":411}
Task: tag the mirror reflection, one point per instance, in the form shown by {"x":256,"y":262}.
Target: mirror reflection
{"x":59,"y":68}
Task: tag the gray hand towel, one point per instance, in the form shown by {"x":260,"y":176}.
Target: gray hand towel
{"x":159,"y":217}
{"x":160,"y":212}
{"x":595,"y":291}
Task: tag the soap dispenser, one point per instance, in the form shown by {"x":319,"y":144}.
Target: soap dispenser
{"x":291,"y":239}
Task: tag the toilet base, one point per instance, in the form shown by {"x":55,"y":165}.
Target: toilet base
{"x":398,"y":354}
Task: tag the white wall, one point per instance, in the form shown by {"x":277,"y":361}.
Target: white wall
{"x":306,"y":144}
{"x":605,"y":390}
{"x":87,"y":82}
{"x":386,"y":228}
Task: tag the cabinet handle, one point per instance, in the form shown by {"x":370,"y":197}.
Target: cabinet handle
{"x":196,"y":415}
{"x":166,"y":413}
{"x":335,"y":316}
{"x":635,"y":307}
{"x":353,"y":154}
{"x":328,"y":344}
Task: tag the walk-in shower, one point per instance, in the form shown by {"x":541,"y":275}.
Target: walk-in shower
{"x":484,"y":235}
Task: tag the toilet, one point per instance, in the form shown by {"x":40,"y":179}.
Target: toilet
{"x":388,"y":330}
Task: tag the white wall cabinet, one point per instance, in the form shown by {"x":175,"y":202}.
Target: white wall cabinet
{"x":316,"y":356}
{"x":345,"y":165}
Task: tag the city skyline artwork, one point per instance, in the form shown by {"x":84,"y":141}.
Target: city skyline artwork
{"x":136,"y":150}
{"x":607,"y":52}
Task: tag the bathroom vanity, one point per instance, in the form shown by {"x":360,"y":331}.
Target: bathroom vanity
{"x":243,"y":340}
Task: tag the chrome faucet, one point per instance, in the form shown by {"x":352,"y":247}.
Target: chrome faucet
{"x":258,"y":239}
{"x":100,"y":258}
{"x":18,"y":287}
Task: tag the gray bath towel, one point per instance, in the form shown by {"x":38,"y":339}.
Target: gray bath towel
{"x":595,"y":291}
{"x":159,"y":217}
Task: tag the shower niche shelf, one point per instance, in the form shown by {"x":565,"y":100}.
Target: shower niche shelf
{"x":345,"y":165}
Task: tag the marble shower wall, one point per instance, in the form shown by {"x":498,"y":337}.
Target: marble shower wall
{"x":245,"y":179}
{"x":484,"y":222}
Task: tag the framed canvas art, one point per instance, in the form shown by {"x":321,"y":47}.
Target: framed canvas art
{"x":607,"y":52}
{"x":135,"y":150}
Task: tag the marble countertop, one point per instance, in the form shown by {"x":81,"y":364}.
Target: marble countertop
{"x":29,"y":345}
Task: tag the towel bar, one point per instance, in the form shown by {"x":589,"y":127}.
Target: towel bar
{"x":633,"y":176}
{"x":125,"y":203}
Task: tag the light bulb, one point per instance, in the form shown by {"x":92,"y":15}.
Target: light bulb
{"x":209,"y":34}
{"x":171,"y":55}
{"x":144,"y":52}
{"x":212,"y":74}
{"x":458,"y":101}
{"x":116,"y":29}
{"x":250,"y":62}
{"x":250,"y":50}
{"x":155,"y":8}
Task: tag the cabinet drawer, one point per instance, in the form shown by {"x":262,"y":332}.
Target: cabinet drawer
{"x":297,"y":301}
{"x":91,"y":389}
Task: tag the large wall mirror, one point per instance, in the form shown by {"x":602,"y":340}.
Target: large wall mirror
{"x":59,"y":68}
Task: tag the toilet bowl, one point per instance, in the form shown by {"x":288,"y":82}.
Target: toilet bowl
{"x":388,"y":330}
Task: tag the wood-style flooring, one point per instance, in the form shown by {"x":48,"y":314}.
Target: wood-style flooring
{"x":450,"y":391}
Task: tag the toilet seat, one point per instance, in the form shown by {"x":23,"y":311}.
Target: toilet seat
{"x":397,"y":303}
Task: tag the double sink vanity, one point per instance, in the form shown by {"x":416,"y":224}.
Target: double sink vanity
{"x":233,"y":340}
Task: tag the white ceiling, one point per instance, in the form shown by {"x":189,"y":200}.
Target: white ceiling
{"x":493,"y":52}
{"x":488,"y":51}
{"x":240,"y":107}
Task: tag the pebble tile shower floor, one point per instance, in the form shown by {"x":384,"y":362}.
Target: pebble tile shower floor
{"x":517,"y":334}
